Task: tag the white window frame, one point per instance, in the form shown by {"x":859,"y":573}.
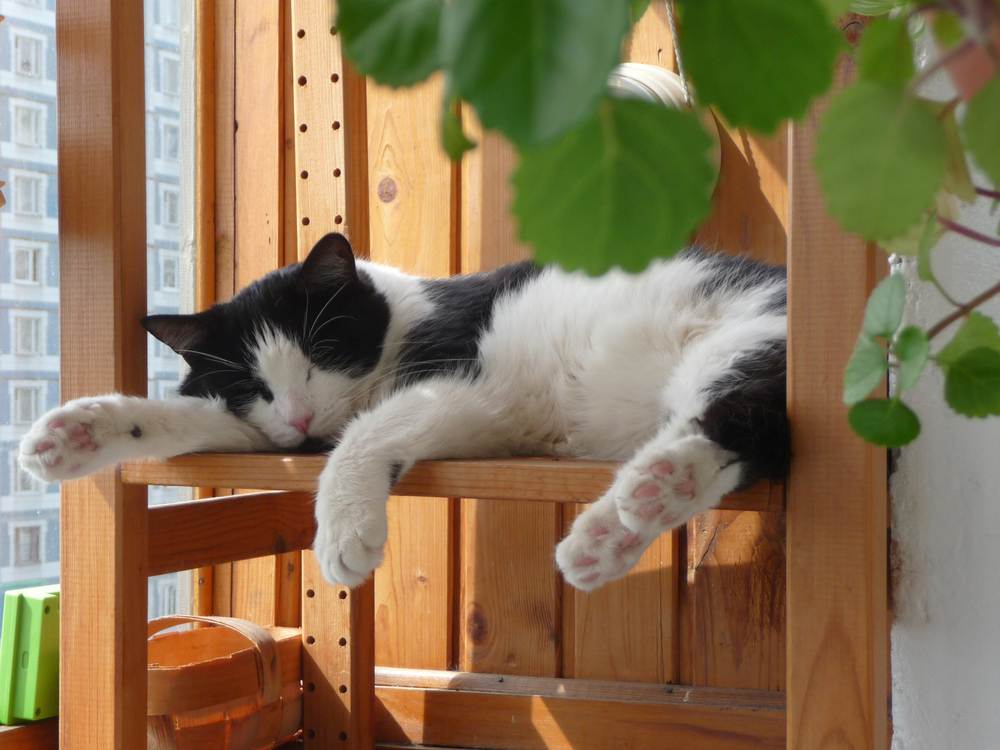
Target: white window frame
{"x":15,"y":35}
{"x":165,"y":124}
{"x":163,"y":257}
{"x":35,"y":385}
{"x":37,"y":316}
{"x":12,"y":528}
{"x":166,"y":190}
{"x":172,"y":22}
{"x":162,"y":587}
{"x":41,"y":191}
{"x":41,"y":112}
{"x":164,"y":58}
{"x":38,"y":249}
{"x":16,"y":472}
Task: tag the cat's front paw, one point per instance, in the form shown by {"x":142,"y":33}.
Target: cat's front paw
{"x":68,"y":442}
{"x":351,"y":526}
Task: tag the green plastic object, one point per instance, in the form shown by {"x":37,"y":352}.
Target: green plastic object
{"x":29,"y":655}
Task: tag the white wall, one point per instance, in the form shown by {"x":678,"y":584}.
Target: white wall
{"x":946,"y":533}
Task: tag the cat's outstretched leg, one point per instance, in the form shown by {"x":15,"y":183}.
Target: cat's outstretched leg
{"x":87,"y":434}
{"x":436,"y":419}
{"x":669,"y":480}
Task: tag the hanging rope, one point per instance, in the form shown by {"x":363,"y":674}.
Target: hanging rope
{"x":677,"y":50}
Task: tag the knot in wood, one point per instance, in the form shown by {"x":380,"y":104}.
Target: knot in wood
{"x":387,"y":190}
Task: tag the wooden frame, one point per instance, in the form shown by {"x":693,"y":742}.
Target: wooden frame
{"x":837,"y":663}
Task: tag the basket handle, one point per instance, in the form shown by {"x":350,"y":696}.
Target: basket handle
{"x":264,"y":650}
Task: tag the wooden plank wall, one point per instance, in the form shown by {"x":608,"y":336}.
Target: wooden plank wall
{"x":470,"y":584}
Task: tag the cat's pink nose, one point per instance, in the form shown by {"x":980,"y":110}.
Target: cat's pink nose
{"x":302,"y":423}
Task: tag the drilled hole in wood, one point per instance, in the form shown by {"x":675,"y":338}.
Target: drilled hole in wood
{"x":311,"y":687}
{"x":336,"y":125}
{"x":336,"y":172}
{"x":311,"y":733}
{"x":310,"y":593}
{"x":310,"y":640}
{"x":305,"y":221}
{"x":338,"y":219}
{"x":343,"y":736}
{"x":342,"y":641}
{"x":342,"y":594}
{"x":302,"y":80}
{"x":303,"y":174}
{"x":333,"y":30}
{"x":334,"y":78}
{"x":303,"y":128}
{"x":300,"y":33}
{"x":342,"y":688}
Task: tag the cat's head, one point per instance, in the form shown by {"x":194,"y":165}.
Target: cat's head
{"x":289,"y":352}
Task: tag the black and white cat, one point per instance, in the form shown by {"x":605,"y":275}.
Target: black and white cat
{"x":678,"y":371}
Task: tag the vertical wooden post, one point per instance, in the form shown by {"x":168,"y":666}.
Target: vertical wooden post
{"x":338,"y":624}
{"x":837,"y":493}
{"x":102,"y":235}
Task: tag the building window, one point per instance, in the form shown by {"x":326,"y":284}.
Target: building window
{"x":170,"y":140}
{"x":27,"y":402}
{"x":28,"y":544}
{"x":170,"y":74}
{"x":23,"y":483}
{"x":170,"y":208}
{"x":29,"y":333}
{"x":29,"y":127}
{"x":168,"y":272}
{"x":26,"y":259}
{"x":28,"y":56}
{"x":27,"y":191}
{"x":166,"y":597}
{"x":167,"y":14}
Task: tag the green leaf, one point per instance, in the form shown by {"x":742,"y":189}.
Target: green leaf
{"x":977,"y":332}
{"x":393,"y":41}
{"x":836,"y":8}
{"x":886,"y":53}
{"x":972,"y":385}
{"x":928,"y":239}
{"x":453,"y":138}
{"x":982,"y":129}
{"x":957,"y":179}
{"x":758,"y":61}
{"x":948,"y":29}
{"x":533,"y":68}
{"x":889,"y":423}
{"x":884,"y":311}
{"x":625,"y":186}
{"x":881,"y":158}
{"x":911,"y":349}
{"x":865,"y":369}
{"x":636,"y":8}
{"x":926,"y":232}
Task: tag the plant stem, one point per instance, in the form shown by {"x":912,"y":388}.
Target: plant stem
{"x":965,"y":231}
{"x":963,"y":310}
{"x":994,"y":194}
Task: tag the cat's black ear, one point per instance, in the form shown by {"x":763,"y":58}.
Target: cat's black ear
{"x":180,"y":332}
{"x":330,"y":261}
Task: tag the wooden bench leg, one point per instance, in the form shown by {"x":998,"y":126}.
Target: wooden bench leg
{"x":338,"y":662}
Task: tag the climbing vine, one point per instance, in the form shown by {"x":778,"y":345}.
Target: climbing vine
{"x":893,"y":165}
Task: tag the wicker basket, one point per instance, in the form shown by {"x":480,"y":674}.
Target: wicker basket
{"x":231,"y":687}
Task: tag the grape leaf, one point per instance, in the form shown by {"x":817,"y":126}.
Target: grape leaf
{"x":453,"y":138}
{"x":880,"y":156}
{"x":884,"y":311}
{"x":532,"y":68}
{"x":972,"y":384}
{"x":889,"y":423}
{"x":886,"y":53}
{"x":982,"y":129}
{"x":758,"y":61}
{"x":393,"y":41}
{"x":836,"y":8}
{"x":629,"y":184}
{"x":977,"y":332}
{"x":865,"y":369}
{"x":911,"y":349}
{"x":948,"y":29}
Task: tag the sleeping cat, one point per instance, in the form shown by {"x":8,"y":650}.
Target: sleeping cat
{"x":678,"y":371}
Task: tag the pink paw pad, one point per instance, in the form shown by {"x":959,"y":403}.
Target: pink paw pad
{"x":585,"y":561}
{"x":662,"y":469}
{"x":598,"y":531}
{"x":686,"y":487}
{"x":646,"y":491}
{"x":56,"y":424}
{"x":650,"y":511}
{"x":631,"y":540}
{"x":45,"y":445}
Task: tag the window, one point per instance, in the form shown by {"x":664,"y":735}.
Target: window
{"x":170,"y":209}
{"x":27,"y":191}
{"x":170,"y":140}
{"x":170,"y":74}
{"x":23,"y":483}
{"x":27,"y":402}
{"x":29,"y":128}
{"x":29,"y":336}
{"x":28,"y":55}
{"x":166,"y":596}
{"x":28,"y":544}
{"x":168,"y":271}
{"x":26,"y":259}
{"x":167,"y":14}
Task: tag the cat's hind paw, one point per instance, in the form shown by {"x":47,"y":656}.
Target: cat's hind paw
{"x":599,"y":548}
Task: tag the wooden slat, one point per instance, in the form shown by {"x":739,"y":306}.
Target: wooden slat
{"x":539,"y":479}
{"x":102,"y":259}
{"x":838,"y":672}
{"x":39,"y":735}
{"x":479,"y":710}
{"x":224,"y":215}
